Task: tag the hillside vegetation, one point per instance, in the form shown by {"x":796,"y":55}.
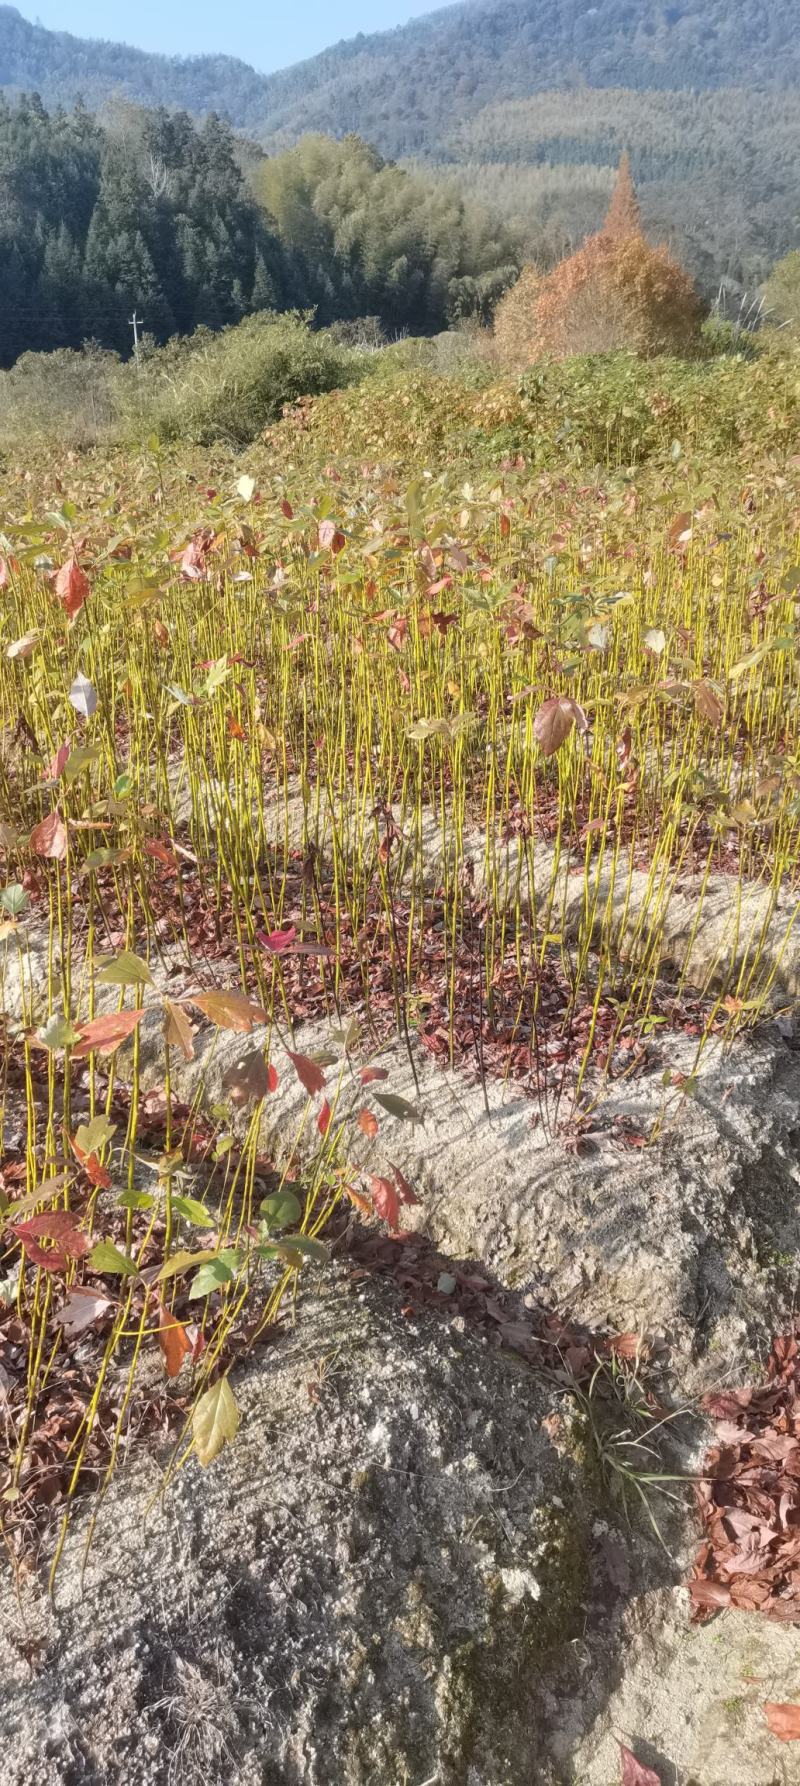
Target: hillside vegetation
{"x":715,"y":171}
{"x":550,"y":625}
{"x":528,"y":103}
{"x":403,"y":88}
{"x":152,"y":213}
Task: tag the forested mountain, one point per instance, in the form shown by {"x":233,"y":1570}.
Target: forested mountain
{"x":526,"y":104}
{"x":405,"y":90}
{"x":716,"y":172}
{"x":151,"y":212}
{"x":62,"y":69}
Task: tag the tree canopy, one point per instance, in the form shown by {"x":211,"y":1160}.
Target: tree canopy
{"x":152,"y":212}
{"x":616,"y":292}
{"x":364,"y":237}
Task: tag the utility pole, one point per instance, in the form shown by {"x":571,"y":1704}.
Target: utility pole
{"x":136,"y":323}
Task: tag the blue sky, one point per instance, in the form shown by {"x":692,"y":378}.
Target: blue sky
{"x":270,"y":36}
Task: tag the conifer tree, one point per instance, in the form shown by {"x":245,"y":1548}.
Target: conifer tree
{"x":616,"y":292}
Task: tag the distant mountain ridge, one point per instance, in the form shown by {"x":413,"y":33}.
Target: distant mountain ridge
{"x":405,"y":90}
{"x":62,"y":68}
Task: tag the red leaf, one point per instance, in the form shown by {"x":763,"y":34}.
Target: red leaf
{"x":385,"y":1199}
{"x":72,"y":587}
{"x":161,"y":852}
{"x":57,"y":763}
{"x":287,"y":510}
{"x":49,"y":837}
{"x":368,"y":1123}
{"x":59,"y":1226}
{"x":106,"y":1033}
{"x":324,"y":1118}
{"x":272,"y":1077}
{"x":784,"y":1721}
{"x":405,"y":1193}
{"x":633,"y":1773}
{"x":309,"y":1074}
{"x":370,"y":1075}
{"x":96,"y":1174}
{"x":193,"y":563}
{"x":173,"y":1340}
{"x":278,"y":941}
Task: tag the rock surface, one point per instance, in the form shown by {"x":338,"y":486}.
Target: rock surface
{"x":370,"y":1584}
{"x":406,"y":1570}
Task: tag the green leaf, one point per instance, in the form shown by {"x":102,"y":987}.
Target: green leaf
{"x":127,"y":970}
{"x":182,"y":1262}
{"x":123,"y":785}
{"x":395,"y":1106}
{"x":299,"y":1247}
{"x":282,"y":1210}
{"x":14,"y":899}
{"x":107,"y":1257}
{"x":138,"y":594}
{"x":79,"y":759}
{"x":428,"y":728}
{"x":193,"y":1212}
{"x":58,"y":1033}
{"x":91,"y":1136}
{"x":215,"y":1421}
{"x":105,"y":858}
{"x":132,"y":1199}
{"x":213,"y":1276}
{"x":219,"y":673}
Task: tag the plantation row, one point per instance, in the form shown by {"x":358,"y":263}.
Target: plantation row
{"x":391,"y":729}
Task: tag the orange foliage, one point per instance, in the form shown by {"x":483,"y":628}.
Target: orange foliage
{"x":616,"y":292}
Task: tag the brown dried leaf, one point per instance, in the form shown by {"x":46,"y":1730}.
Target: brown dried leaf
{"x":83,"y":1306}
{"x":229,"y":1010}
{"x":248,"y":1078}
{"x":178,"y":1032}
{"x":708,"y":704}
{"x":49,"y":837}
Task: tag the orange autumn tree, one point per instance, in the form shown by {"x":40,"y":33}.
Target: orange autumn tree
{"x":618,"y":291}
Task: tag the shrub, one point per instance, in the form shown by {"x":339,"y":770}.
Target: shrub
{"x":230,"y":386}
{"x":71,"y":397}
{"x":782,"y":293}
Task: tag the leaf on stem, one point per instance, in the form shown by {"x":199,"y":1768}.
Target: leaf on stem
{"x":49,"y":837}
{"x":215,"y":1421}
